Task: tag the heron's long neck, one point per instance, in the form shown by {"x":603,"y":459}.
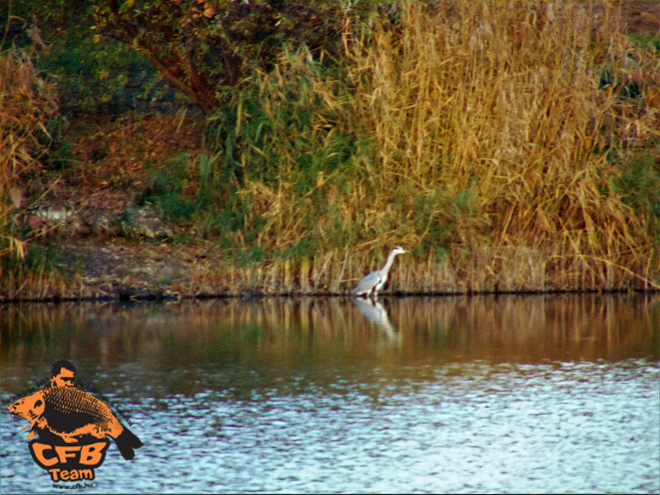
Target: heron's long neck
{"x":390,"y":260}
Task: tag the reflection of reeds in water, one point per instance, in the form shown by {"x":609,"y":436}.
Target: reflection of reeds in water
{"x":563,"y":327}
{"x":276,"y":331}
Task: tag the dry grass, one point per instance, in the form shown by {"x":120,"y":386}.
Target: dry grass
{"x":27,"y":102}
{"x":493,"y":126}
{"x":504,"y":103}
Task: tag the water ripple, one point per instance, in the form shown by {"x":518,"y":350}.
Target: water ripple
{"x":578,"y":427}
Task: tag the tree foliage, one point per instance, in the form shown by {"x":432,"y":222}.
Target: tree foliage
{"x":92,"y":78}
{"x":201,"y":46}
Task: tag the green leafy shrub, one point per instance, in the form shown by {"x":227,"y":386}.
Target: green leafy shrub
{"x":167,"y":188}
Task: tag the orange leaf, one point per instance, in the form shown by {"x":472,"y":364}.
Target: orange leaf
{"x":209,"y":12}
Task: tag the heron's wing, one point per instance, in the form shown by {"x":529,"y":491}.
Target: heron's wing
{"x":367,"y":283}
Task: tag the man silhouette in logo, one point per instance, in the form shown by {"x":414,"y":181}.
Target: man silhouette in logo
{"x":62,"y":374}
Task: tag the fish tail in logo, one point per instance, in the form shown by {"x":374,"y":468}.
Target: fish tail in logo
{"x":73,"y":427}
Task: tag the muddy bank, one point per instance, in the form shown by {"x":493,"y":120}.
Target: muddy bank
{"x":124,"y":269}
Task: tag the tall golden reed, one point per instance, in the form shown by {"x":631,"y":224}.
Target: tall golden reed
{"x":485,"y":133}
{"x":507,"y":103}
{"x":27,"y":102}
{"x":493,"y":124}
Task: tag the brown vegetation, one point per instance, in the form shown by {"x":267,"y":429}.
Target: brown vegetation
{"x":508,"y":108}
{"x":497,"y":135}
{"x":27,"y":103}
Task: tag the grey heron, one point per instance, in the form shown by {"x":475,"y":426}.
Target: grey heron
{"x":373,"y":282}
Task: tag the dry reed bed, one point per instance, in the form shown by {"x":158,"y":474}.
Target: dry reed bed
{"x":493,"y":125}
{"x":27,"y":103}
{"x":482,"y":270}
{"x":504,"y":102}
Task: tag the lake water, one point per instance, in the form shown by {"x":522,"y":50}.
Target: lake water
{"x":543,"y":393}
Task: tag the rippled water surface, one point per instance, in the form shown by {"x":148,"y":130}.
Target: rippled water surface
{"x":462,"y":394}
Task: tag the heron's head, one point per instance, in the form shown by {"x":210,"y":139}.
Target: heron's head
{"x":399,"y":250}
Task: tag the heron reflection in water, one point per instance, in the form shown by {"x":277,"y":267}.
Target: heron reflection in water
{"x":375,"y":312}
{"x":375,"y":281}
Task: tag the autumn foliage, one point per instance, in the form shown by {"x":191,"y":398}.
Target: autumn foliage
{"x":202,"y":46}
{"x":27,"y":104}
{"x":510,"y":146}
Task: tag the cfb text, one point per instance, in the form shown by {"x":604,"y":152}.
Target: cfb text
{"x":90,"y":455}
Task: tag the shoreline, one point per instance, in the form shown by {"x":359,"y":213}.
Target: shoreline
{"x":120,"y":270}
{"x":119,"y":298}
